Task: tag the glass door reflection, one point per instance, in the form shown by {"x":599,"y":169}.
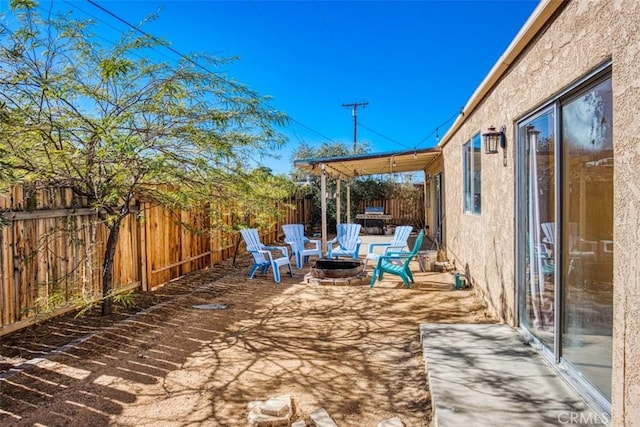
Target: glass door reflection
{"x":587,"y":252}
{"x":539,"y":211}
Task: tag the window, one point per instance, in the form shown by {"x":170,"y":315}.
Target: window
{"x":471,"y":174}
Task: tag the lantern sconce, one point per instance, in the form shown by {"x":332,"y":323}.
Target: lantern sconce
{"x":495,"y":138}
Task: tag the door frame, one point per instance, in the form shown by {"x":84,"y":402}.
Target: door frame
{"x":589,"y":392}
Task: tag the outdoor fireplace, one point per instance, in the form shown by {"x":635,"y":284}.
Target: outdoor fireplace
{"x":336,"y":272}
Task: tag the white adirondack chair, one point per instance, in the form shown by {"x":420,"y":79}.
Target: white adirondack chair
{"x":347,"y":242}
{"x":397,"y":244}
{"x":265,"y":256}
{"x":301,"y":246}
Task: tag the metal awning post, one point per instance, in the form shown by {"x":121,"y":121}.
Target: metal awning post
{"x":425,"y":195}
{"x":323,"y":204}
{"x":338,"y":203}
{"x":349,"y":201}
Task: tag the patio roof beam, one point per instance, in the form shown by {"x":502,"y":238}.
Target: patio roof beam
{"x":371,"y":164}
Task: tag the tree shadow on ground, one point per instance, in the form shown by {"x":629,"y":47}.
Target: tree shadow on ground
{"x":353,"y":350}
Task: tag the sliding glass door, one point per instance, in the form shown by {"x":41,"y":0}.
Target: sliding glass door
{"x":587,"y":234}
{"x":565,"y":232}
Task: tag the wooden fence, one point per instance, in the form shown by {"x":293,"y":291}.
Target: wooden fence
{"x":51,"y":250}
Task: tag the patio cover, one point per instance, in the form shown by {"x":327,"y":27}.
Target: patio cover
{"x":370,"y":164}
{"x":347,"y":167}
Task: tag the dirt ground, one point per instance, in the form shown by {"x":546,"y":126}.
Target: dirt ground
{"x":352,"y":350}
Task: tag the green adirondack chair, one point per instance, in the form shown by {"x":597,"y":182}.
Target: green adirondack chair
{"x":397,"y":263}
{"x":399,"y":242}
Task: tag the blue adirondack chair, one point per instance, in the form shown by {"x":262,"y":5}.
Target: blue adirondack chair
{"x":399,"y":242}
{"x":301,"y":247}
{"x":397,"y":263}
{"x":265,"y":256}
{"x":346,"y":243}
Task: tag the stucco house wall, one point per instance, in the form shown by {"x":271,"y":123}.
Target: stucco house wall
{"x":625,"y":39}
{"x":579,"y":36}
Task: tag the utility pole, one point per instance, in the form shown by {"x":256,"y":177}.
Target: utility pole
{"x":354,"y":112}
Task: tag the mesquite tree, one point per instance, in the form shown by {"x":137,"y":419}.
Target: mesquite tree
{"x":112,"y":124}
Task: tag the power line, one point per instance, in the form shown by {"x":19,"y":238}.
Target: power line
{"x":310,"y":129}
{"x":195,"y":63}
{"x":157,"y":40}
{"x":75,"y":6}
{"x":286,"y":43}
{"x":383,"y":136}
{"x":437,"y":128}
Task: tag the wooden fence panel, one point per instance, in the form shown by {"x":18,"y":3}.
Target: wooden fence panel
{"x":50,"y":260}
{"x":221,"y":242}
{"x":176,"y":244}
{"x":128,"y":253}
{"x":5,"y":283}
{"x":162,"y":237}
{"x":51,"y":253}
{"x":300,"y":212}
{"x":19,"y":199}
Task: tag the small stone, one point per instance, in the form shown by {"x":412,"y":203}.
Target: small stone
{"x":300,"y":423}
{"x":258,"y":419}
{"x":274,"y":412}
{"x":391,"y":422}
{"x":276,"y":406}
{"x":321,"y":418}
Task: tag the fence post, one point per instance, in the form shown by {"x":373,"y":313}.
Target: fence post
{"x":142,"y":236}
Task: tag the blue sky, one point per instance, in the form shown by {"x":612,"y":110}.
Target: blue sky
{"x":415,"y":62}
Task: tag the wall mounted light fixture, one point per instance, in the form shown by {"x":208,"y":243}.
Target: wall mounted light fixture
{"x":496,"y":138}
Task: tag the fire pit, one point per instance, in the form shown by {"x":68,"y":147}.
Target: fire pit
{"x":336,"y":272}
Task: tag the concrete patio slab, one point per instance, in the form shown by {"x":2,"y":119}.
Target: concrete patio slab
{"x":487,"y":375}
